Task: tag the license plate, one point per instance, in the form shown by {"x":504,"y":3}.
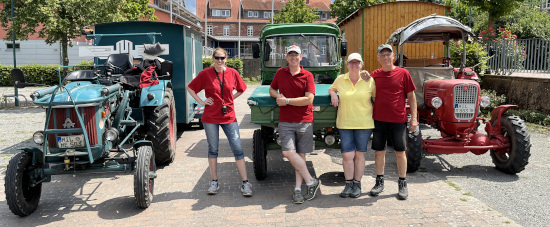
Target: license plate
{"x":465,"y":108}
{"x":70,"y":141}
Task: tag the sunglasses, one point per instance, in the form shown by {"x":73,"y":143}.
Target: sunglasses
{"x":219,"y":58}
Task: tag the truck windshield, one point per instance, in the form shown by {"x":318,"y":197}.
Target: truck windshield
{"x":317,"y":50}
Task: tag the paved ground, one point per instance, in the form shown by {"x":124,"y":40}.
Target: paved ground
{"x":180,"y":189}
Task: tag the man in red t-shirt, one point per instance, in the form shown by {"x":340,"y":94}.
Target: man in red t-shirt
{"x":393,"y":86}
{"x":296,"y":88}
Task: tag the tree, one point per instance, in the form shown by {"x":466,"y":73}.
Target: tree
{"x":296,"y":11}
{"x":63,"y":20}
{"x":527,"y":21}
{"x":341,"y":9}
{"x":495,"y":8}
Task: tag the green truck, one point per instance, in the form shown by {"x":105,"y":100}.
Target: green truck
{"x":322,"y":49}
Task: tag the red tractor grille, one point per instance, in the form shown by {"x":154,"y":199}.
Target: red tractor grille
{"x":60,"y":116}
{"x":465,"y":94}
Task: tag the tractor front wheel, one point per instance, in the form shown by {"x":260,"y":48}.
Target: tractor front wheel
{"x":21,"y":196}
{"x":259,"y":155}
{"x":144,"y":176}
{"x":162,"y":128}
{"x":414,"y":149}
{"x":513,"y":159}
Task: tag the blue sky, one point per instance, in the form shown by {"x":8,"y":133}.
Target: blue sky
{"x":191,"y":5}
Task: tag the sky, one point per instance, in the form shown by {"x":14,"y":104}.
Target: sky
{"x":191,"y":5}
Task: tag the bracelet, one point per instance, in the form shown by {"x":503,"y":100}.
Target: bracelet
{"x":287,"y":101}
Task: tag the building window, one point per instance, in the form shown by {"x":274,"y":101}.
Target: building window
{"x":546,"y":4}
{"x":209,"y":29}
{"x":252,"y":13}
{"x":166,"y":6}
{"x":215,"y":12}
{"x":325,"y":15}
{"x":156,"y":2}
{"x":267,"y":14}
{"x":225,"y":30}
{"x":226,"y":13}
{"x":10,"y":46}
{"x":323,"y":49}
{"x":250,"y":31}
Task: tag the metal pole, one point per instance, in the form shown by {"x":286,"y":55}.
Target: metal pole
{"x":205,"y":24}
{"x":239,"y":43}
{"x":470,"y":22}
{"x":272,"y":11}
{"x":170,"y":11}
{"x":13,"y":47}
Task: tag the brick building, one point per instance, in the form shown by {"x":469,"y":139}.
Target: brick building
{"x":222,"y":21}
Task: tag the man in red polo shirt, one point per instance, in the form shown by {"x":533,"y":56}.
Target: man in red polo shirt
{"x":393,"y":86}
{"x":296,"y":90}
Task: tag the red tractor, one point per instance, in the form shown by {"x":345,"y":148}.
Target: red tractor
{"x":448,"y":100}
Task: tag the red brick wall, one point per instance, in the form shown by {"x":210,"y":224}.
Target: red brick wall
{"x":217,"y":28}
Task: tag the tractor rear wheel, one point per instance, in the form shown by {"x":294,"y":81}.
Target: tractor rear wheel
{"x":162,"y":128}
{"x":517,"y":155}
{"x":22,"y":198}
{"x":259,"y":155}
{"x":144,"y":176}
{"x":414,"y":149}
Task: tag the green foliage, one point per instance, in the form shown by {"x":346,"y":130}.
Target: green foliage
{"x":461,"y":12}
{"x":235,"y":63}
{"x":527,"y":21}
{"x":496,"y":100}
{"x":532,"y":116}
{"x":296,"y":11}
{"x":35,"y":73}
{"x":207,"y":63}
{"x":495,"y":8}
{"x":341,"y":9}
{"x":137,"y":9}
{"x":475,"y":53}
{"x":505,"y":44}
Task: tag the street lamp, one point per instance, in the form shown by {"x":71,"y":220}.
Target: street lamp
{"x":13,"y":48}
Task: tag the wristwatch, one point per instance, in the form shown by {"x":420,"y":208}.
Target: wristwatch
{"x":287,"y":101}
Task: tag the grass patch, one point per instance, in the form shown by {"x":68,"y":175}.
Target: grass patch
{"x":463,"y":199}
{"x":450,"y":183}
{"x":468,"y":194}
{"x":507,"y":222}
{"x":538,"y":128}
{"x":252,"y":81}
{"x":5,"y":155}
{"x":4,"y":165}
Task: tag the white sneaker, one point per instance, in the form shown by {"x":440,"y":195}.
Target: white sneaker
{"x":246,"y":188}
{"x":213,"y":189}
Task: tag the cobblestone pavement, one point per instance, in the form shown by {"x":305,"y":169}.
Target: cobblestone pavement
{"x":180,"y":191}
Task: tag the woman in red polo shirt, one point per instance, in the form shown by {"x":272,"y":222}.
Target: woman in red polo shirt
{"x":218,"y":83}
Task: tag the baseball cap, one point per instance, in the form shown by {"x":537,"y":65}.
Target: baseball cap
{"x":355,"y":56}
{"x":295,"y":49}
{"x":384,"y":46}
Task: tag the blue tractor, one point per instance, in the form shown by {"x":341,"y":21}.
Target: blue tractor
{"x":104,"y":120}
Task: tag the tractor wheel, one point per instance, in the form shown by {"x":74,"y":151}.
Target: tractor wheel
{"x":414,"y":149}
{"x":144,"y":176}
{"x":162,"y":128}
{"x":21,"y":197}
{"x":259,"y":155}
{"x":516,"y":158}
{"x":266,"y":132}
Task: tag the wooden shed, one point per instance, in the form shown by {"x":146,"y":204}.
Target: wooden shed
{"x":371,"y":26}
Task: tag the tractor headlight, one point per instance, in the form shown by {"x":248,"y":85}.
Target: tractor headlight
{"x":437,"y":102}
{"x":111,"y":134}
{"x":38,"y":137}
{"x":485,"y":101}
{"x":329,"y":139}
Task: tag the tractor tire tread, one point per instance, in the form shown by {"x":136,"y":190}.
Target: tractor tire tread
{"x":158,"y":125}
{"x":259,"y":156}
{"x":142,"y":195}
{"x":13,"y":184}
{"x":520,"y":158}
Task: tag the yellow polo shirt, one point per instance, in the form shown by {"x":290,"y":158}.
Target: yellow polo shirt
{"x":355,"y":107}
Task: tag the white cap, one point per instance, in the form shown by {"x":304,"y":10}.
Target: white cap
{"x":355,"y":56}
{"x":295,"y":49}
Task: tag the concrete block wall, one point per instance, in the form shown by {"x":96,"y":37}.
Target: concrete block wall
{"x":527,"y":92}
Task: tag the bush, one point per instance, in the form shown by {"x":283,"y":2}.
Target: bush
{"x":532,"y":116}
{"x":496,"y":100}
{"x":35,"y":73}
{"x":475,"y":53}
{"x":206,"y":63}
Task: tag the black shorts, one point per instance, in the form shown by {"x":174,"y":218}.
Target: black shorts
{"x":383,"y":129}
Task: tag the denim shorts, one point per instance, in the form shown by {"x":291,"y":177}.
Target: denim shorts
{"x":296,"y":136}
{"x":233,"y":136}
{"x":354,"y":139}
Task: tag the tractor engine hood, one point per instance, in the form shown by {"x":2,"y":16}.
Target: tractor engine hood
{"x":81,"y":92}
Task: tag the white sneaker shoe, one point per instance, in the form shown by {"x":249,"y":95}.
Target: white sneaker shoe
{"x":213,"y":189}
{"x":246,"y":188}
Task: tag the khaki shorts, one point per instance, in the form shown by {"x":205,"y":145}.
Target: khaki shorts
{"x":296,"y":136}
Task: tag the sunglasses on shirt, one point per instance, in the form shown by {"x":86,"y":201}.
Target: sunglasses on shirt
{"x":219,"y":58}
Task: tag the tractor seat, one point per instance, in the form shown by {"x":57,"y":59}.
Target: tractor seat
{"x":118,"y":63}
{"x":81,"y":75}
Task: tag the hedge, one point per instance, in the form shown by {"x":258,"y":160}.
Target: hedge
{"x":35,"y":73}
{"x":235,"y":63}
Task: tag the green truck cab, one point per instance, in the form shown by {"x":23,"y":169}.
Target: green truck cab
{"x":322,"y":49}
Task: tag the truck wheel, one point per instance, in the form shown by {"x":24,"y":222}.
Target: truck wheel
{"x":414,"y":150}
{"x":144,"y":176}
{"x":21,"y":197}
{"x":516,"y":158}
{"x":259,"y":156}
{"x":162,"y":128}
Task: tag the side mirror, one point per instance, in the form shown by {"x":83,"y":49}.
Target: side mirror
{"x":267,"y":52}
{"x":256,"y":50}
{"x":344,"y":49}
{"x":491,"y":51}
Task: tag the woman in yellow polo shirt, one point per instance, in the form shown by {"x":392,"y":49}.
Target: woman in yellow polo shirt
{"x":354,"y":121}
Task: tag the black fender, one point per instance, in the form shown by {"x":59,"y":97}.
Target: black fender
{"x":37,"y":155}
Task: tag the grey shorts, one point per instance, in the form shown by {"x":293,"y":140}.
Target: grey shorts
{"x":296,"y":136}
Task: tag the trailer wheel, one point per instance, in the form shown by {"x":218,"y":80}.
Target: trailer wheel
{"x":144,"y":176}
{"x":414,"y":149}
{"x":22,"y":198}
{"x":162,"y":128}
{"x":259,"y":155}
{"x":514,"y":159}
